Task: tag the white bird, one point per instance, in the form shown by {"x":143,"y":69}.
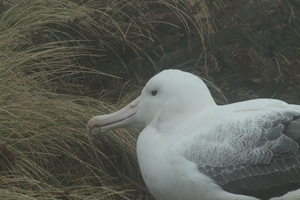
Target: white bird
{"x":191,"y":148}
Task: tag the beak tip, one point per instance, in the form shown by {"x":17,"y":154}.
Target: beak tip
{"x":90,"y":128}
{"x":122,"y":118}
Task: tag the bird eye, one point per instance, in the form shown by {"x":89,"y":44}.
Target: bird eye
{"x":153,"y":92}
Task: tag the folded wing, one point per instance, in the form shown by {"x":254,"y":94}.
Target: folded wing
{"x":256,"y":153}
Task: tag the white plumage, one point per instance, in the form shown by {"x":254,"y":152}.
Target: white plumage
{"x":191,"y":148}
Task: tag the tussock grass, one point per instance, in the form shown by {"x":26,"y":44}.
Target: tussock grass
{"x":52,"y":53}
{"x":46,"y":153}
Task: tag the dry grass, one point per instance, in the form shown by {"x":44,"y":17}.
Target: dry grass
{"x":46,"y":153}
{"x":48,"y":50}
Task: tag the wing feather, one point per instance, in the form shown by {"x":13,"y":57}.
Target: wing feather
{"x":256,"y":155}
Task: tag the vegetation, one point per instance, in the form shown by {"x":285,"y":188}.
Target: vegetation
{"x":64,"y":61}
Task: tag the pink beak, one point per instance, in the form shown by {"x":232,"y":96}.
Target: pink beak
{"x":119,"y":119}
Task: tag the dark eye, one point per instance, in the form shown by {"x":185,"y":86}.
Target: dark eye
{"x":153,"y":92}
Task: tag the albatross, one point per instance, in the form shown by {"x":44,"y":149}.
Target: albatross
{"x":191,"y":148}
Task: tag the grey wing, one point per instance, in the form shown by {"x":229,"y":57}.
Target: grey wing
{"x":257,"y":155}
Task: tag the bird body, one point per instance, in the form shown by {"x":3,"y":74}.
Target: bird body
{"x":191,"y":148}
